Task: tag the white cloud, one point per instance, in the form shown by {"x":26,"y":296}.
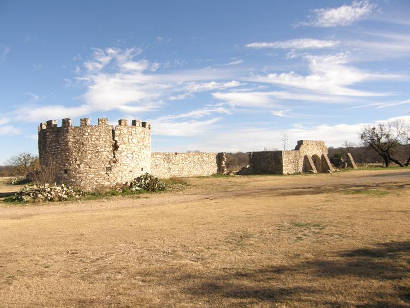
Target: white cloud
{"x":32,"y":97}
{"x":341,"y":16}
{"x":199,"y":113}
{"x":269,"y":99}
{"x":281,"y":113}
{"x":44,"y":113}
{"x":235,"y":62}
{"x":135,"y":86}
{"x":4,"y":121}
{"x":378,"y":45}
{"x":181,"y":128}
{"x":381,"y":105}
{"x":258,"y":139}
{"x":9,"y":130}
{"x":329,"y":75}
{"x":305,"y":43}
{"x":114,"y":80}
{"x":195,"y":87}
{"x":246,"y":99}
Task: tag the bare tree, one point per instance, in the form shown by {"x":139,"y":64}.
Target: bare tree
{"x":385,"y":138}
{"x":348,"y":146}
{"x":24,"y":163}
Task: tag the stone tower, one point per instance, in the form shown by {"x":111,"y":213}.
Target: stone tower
{"x":90,"y":156}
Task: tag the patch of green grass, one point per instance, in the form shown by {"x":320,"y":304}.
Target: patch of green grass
{"x":10,"y":199}
{"x":175,"y":184}
{"x":220,"y":175}
{"x":175,"y":181}
{"x":382,"y":167}
{"x":368,"y":192}
{"x":95,"y":195}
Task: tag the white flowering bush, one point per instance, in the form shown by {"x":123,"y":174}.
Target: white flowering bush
{"x":46,"y":192}
{"x":18,"y":181}
{"x":146,"y":182}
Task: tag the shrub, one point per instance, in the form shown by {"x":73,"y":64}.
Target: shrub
{"x":46,"y":192}
{"x":146,"y":182}
{"x":19,"y":181}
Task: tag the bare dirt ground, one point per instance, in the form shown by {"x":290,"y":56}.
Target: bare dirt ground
{"x":340,"y":240}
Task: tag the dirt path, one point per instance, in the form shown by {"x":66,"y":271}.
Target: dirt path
{"x":208,"y":188}
{"x":264,"y":241}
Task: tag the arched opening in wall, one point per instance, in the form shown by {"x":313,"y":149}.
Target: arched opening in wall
{"x":318,"y":162}
{"x":308,"y":165}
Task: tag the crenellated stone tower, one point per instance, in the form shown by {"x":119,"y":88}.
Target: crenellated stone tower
{"x":90,"y":156}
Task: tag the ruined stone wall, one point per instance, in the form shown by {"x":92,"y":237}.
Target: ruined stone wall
{"x":266,"y":162}
{"x":311,"y":147}
{"x":166,"y":165}
{"x":291,"y":162}
{"x":90,"y":156}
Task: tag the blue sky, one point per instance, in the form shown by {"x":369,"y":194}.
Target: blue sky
{"x":208,"y":75}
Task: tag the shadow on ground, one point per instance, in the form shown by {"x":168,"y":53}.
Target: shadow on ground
{"x":340,"y":188}
{"x":320,"y":282}
{"x":6,"y":194}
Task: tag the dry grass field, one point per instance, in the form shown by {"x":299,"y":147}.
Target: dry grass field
{"x":340,"y":240}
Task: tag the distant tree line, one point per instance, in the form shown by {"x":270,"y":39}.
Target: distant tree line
{"x":384,"y":143}
{"x":22,"y":164}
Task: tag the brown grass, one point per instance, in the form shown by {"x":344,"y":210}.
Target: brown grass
{"x":261,"y":241}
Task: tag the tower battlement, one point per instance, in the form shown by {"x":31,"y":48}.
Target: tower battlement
{"x":89,"y":155}
{"x":85,"y":122}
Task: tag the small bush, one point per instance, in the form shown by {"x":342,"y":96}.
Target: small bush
{"x":46,"y":192}
{"x":19,"y":181}
{"x":146,"y":182}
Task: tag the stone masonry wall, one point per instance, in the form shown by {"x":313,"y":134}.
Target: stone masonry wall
{"x":291,"y":162}
{"x":90,"y":156}
{"x":266,"y":162}
{"x":166,"y":165}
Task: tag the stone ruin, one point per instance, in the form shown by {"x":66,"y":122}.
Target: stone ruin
{"x":103,"y":155}
{"x":308,"y":156}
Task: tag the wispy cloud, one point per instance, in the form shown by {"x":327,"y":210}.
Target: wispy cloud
{"x":269,"y":99}
{"x":195,"y":114}
{"x":305,"y":43}
{"x":37,"y":114}
{"x":259,"y":138}
{"x":281,"y":113}
{"x":8,"y":129}
{"x":246,"y":99}
{"x":235,"y":62}
{"x":4,"y":53}
{"x":4,"y":121}
{"x":381,"y":105}
{"x":185,"y":128}
{"x":195,"y":87}
{"x":329,"y":74}
{"x":376,"y":45}
{"x":115,"y":80}
{"x":341,"y":16}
